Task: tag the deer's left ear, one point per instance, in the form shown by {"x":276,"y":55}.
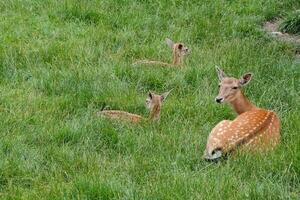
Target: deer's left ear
{"x":170,"y":43}
{"x":164,"y":95}
{"x":245,"y":78}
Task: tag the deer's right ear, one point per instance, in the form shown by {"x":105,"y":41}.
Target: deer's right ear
{"x":170,"y":43}
{"x":150,"y":95}
{"x":221,"y":73}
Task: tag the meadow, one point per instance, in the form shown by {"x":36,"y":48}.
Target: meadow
{"x":62,"y":61}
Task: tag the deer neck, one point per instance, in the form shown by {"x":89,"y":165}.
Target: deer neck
{"x":155,"y":113}
{"x":177,"y":60}
{"x":241,"y":104}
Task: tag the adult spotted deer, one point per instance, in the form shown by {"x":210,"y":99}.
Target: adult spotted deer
{"x":253,"y":129}
{"x":153,"y":103}
{"x":179,"y":53}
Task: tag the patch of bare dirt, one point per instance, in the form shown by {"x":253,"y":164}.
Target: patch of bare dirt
{"x":272,"y":27}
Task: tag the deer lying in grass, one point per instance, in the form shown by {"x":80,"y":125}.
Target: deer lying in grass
{"x":153,"y":103}
{"x":253,"y":129}
{"x":179,"y":53}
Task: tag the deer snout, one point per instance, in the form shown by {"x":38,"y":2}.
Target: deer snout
{"x":187,"y":51}
{"x":219,"y":99}
{"x":214,"y":156}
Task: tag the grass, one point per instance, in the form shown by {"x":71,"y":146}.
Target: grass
{"x":292,"y":23}
{"x":61,"y":61}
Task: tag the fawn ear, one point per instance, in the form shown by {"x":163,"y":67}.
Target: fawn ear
{"x":221,"y":73}
{"x":150,"y":95}
{"x":164,"y":95}
{"x":170,"y":43}
{"x":245,"y":78}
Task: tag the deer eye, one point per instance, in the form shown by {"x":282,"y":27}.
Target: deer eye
{"x":219,"y":86}
{"x":234,"y":88}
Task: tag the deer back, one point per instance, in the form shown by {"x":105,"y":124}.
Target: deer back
{"x":245,"y":129}
{"x":121,"y":115}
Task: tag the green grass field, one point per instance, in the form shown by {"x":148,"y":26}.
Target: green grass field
{"x":62,"y":61}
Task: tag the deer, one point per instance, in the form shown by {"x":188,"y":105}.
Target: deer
{"x":254,"y":129}
{"x":180,"y":51}
{"x":153,"y":103}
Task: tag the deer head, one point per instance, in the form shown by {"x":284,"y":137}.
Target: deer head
{"x":154,"y":102}
{"x":230,"y":87}
{"x":179,"y":51}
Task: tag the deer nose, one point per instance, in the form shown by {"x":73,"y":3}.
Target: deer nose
{"x":219,"y":99}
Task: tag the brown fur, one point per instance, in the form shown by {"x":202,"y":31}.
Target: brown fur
{"x":253,"y":129}
{"x":121,"y":115}
{"x":179,"y":53}
{"x":153,"y":103}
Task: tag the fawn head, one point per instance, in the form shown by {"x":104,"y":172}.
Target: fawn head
{"x":179,"y":50}
{"x":154,"y":102}
{"x":155,"y":99}
{"x":230,"y":87}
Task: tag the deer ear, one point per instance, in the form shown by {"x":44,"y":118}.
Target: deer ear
{"x":221,"y":73}
{"x":170,"y":43}
{"x":245,"y":78}
{"x":150,"y":95}
{"x":180,"y":46}
{"x":164,"y":95}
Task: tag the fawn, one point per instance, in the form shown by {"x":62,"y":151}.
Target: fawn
{"x":179,"y":53}
{"x":153,"y":103}
{"x":253,"y":129}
